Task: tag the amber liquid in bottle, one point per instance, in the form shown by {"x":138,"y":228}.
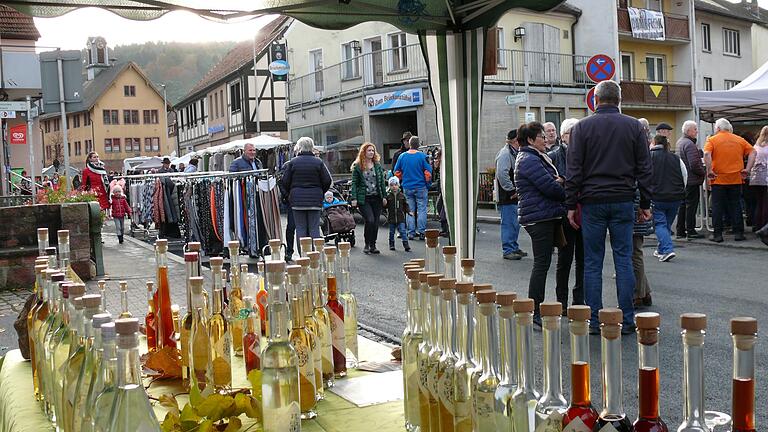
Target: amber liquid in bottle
{"x":744,"y":334}
{"x":150,"y":321}
{"x":581,"y":415}
{"x":251,"y":337}
{"x":649,"y":420}
{"x":336,"y":311}
{"x":581,"y":405}
{"x":743,"y":405}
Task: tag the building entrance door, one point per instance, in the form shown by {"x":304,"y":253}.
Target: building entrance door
{"x":374,"y":69}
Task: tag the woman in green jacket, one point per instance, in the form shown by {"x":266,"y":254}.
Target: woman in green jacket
{"x":368,"y":192}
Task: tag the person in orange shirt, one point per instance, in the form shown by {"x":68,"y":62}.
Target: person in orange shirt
{"x":724,"y":155}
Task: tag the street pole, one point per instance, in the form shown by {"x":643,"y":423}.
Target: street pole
{"x":256,"y":88}
{"x":165,"y":116}
{"x":31,"y":149}
{"x":63,"y":107}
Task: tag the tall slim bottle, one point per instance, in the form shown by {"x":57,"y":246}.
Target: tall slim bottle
{"x":200,"y":361}
{"x":581,"y":416}
{"x":221,"y":338}
{"x":350,"y":305}
{"x":744,"y":334}
{"x":124,"y":312}
{"x":648,"y":419}
{"x":484,"y":402}
{"x":322,"y":317}
{"x":319,"y":244}
{"x":612,"y":417}
{"x":436,"y":351}
{"x":465,"y":364}
{"x":190,"y":263}
{"x":56,"y":348}
{"x":64,"y":258}
{"x":432,"y":254}
{"x":236,"y":298}
{"x":446,"y":367}
{"x":423,"y":352}
{"x":42,"y":240}
{"x":261,"y":299}
{"x":467,"y":270}
{"x":162,"y":298}
{"x":526,"y":397}
{"x":105,"y":371}
{"x":300,"y":340}
{"x":280,"y":364}
{"x":35,"y":318}
{"x":412,"y":337}
{"x":252,"y":337}
{"x":475,"y":329}
{"x":131,"y":410}
{"x":89,"y":368}
{"x":552,"y":404}
{"x":508,"y":367}
{"x":77,"y":353}
{"x":103,"y":292}
{"x":336,"y":312}
{"x":449,"y":262}
{"x":694,"y":326}
{"x":313,"y":327}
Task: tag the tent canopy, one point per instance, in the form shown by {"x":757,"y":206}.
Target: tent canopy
{"x":746,"y":101}
{"x":51,"y":170}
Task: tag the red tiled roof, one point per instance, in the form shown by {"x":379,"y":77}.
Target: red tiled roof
{"x":240,"y":55}
{"x":16,"y":25}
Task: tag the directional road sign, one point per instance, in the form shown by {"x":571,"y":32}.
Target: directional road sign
{"x":13,"y":106}
{"x":8,"y":114}
{"x":591,"y":99}
{"x":600,"y":68}
{"x":516,"y":99}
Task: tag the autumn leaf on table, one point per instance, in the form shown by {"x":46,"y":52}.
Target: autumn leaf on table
{"x":163,"y":363}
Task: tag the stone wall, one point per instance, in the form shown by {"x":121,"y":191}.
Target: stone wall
{"x":18,"y":239}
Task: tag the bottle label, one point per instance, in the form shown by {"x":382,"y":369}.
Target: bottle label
{"x":484,"y":403}
{"x":337,"y":332}
{"x":287,"y":418}
{"x":577,"y":425}
{"x":445,"y":390}
{"x":553,"y":423}
{"x":608,"y":428}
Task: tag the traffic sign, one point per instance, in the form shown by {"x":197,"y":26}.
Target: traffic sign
{"x":591,"y":99}
{"x":600,"y":68}
{"x":13,"y":106}
{"x":517,"y":99}
{"x":7,"y":114}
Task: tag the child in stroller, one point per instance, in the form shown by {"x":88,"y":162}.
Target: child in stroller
{"x":337,"y":220}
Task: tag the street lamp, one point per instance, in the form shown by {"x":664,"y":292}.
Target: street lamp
{"x":519,"y":33}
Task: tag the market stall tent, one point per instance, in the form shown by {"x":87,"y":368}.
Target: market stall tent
{"x":51,"y":170}
{"x":746,"y":101}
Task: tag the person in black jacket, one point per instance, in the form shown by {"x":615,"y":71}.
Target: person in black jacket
{"x":397,"y":208}
{"x":404,"y":147}
{"x":669,"y":180}
{"x":306,"y":178}
{"x":692,"y":158}
{"x":608,"y":154}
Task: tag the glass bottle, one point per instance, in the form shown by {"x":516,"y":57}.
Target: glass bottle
{"x":190,"y":263}
{"x":124,"y":312}
{"x":251,"y":337}
{"x":312,"y":327}
{"x":436,"y":351}
{"x":305,"y":246}
{"x":581,"y":416}
{"x":322,"y":317}
{"x":280,"y":364}
{"x":131,"y":410}
{"x":412,"y":337}
{"x":55,"y":345}
{"x":447,"y":363}
{"x":475,"y":329}
{"x":150,"y":319}
{"x":200,"y":361}
{"x":221,"y":339}
{"x":294,"y":284}
{"x":744,"y":335}
{"x":349,"y":302}
{"x":467,"y":270}
{"x":424,"y":348}
{"x":694,"y":326}
{"x":336,"y":312}
{"x":432,"y":255}
{"x":103,"y":291}
{"x":276,"y":250}
{"x":35,"y":318}
{"x":162,"y":298}
{"x":319,"y":244}
{"x":465,"y":364}
{"x":300,"y":340}
{"x":526,"y":397}
{"x":449,"y":262}
{"x":64,"y":258}
{"x":42,"y":240}
{"x":508,"y":367}
{"x":71,"y":368}
{"x":648,"y":419}
{"x":89,"y":368}
{"x":612,"y":417}
{"x":235,"y":297}
{"x":261,"y":300}
{"x":104,"y":377}
{"x":552,"y":404}
{"x":484,"y":393}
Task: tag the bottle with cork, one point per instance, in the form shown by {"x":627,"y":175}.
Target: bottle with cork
{"x":526,"y":397}
{"x":235,"y":297}
{"x":552,"y":404}
{"x":694,"y":331}
{"x":150,"y":319}
{"x":350,"y":304}
{"x":162,"y":298}
{"x":581,"y":416}
{"x":336,"y":312}
{"x":123,"y":287}
{"x":261,"y":299}
{"x":744,"y":335}
{"x":508,"y":361}
{"x":322,"y":317}
{"x":648,"y":419}
{"x":447,"y":362}
{"x":612,"y":417}
{"x":433,"y":360}
{"x":72,"y":367}
{"x":220,"y":334}
{"x":465,"y":363}
{"x":89,"y":367}
{"x":42,"y":240}
{"x":302,"y":344}
{"x":65,"y":265}
{"x":432,"y":254}
{"x":199,"y":349}
{"x":412,"y":337}
{"x":102,"y":284}
{"x":423,"y":351}
{"x":449,"y":262}
{"x":467,"y":270}
{"x":484,"y":401}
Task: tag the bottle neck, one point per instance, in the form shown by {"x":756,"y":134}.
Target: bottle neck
{"x":448,"y":320}
{"x":744,"y":382}
{"x":524,"y":327}
{"x":490,"y":337}
{"x":693,"y":379}
{"x":297,"y":314}
{"x":462,"y":350}
{"x":508,"y":350}
{"x":109,"y":362}
{"x":278,"y":322}
{"x":123,"y":301}
{"x":611,"y":368}
{"x":275,"y":287}
{"x":435,"y":323}
{"x":218,"y":302}
{"x":579,"y":331}
{"x":648,"y":363}
{"x":345,"y":274}
{"x":432,"y":260}
{"x":449,"y":266}
{"x":190,"y":266}
{"x":128,"y":362}
{"x":416,"y":309}
{"x":553,"y":380}
{"x":161,"y":258}
{"x":467,"y":274}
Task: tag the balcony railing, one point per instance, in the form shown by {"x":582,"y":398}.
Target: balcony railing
{"x":541,"y":68}
{"x":642,"y":93}
{"x":675,"y":26}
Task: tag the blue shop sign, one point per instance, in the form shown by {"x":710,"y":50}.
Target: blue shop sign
{"x":394,"y":99}
{"x":215,"y":129}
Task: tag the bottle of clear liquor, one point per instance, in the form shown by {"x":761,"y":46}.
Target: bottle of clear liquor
{"x":124,"y":312}
{"x":483,"y":401}
{"x":336,"y":312}
{"x":412,"y":337}
{"x":465,"y":364}
{"x":74,"y":364}
{"x":648,"y":419}
{"x":449,"y":262}
{"x":51,"y":335}
{"x":508,"y":367}
{"x":447,"y":364}
{"x":36,"y":316}
{"x":221,"y":338}
{"x":322,"y":318}
{"x":432,"y":254}
{"x":300,"y":340}
{"x":235,"y":298}
{"x":424,"y":348}
{"x":744,"y":334}
{"x":436,"y":351}
{"x":280,"y":364}
{"x":581,"y":416}
{"x":693,"y":333}
{"x":526,"y":397}
{"x":612,"y":417}
{"x":89,"y":368}
{"x":350,"y":305}
{"x":552,"y":405}
{"x":42,"y":240}
{"x":131,"y":410}
{"x":190,"y":263}
{"x":105,"y":370}
{"x":467,"y":270}
{"x":200,"y":361}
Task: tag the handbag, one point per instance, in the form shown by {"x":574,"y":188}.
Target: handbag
{"x":560,"y":241}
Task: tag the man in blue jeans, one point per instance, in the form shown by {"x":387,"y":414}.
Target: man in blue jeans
{"x":507,"y":198}
{"x":415,"y":174}
{"x":608,"y":158}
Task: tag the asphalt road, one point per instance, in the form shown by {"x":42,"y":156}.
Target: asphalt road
{"x":717,"y":281}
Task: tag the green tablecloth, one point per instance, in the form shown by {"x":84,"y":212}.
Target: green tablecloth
{"x":20,"y":413}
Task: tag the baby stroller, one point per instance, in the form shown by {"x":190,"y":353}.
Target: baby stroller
{"x":336,"y":219}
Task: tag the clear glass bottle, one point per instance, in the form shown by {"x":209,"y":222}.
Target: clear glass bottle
{"x":424,"y":349}
{"x":131,"y":410}
{"x":55,"y":339}
{"x":432,"y":255}
{"x":65,"y":264}
{"x":221,"y":338}
{"x":350,"y":305}
{"x":251,"y":337}
{"x":552,"y":404}
{"x":412,"y":337}
{"x":508,"y":366}
{"x":89,"y":368}
{"x":236,"y":298}
{"x":467,"y":270}
{"x":105,"y":370}
{"x":36,"y":316}
{"x":280,"y":364}
{"x":162,"y":298}
{"x":300,"y":340}
{"x":581,"y":415}
{"x":319,"y":244}
{"x":124,"y":312}
{"x":693,"y":333}
{"x":305,"y":246}
{"x":150,"y":318}
{"x":336,"y":312}
{"x":465,"y":364}
{"x":103,"y":291}
{"x":200,"y":353}
{"x":612,"y":417}
{"x":484,"y":393}
{"x":526,"y":397}
{"x":276,"y":250}
{"x":648,"y":419}
{"x":293,"y":273}
{"x":447,"y":364}
{"x":322,"y":317}
{"x":744,"y":335}
{"x":475,"y":329}
{"x":313,"y":329}
{"x":71,"y":368}
{"x":42,"y":240}
{"x":190,"y":262}
{"x":449,"y":262}
{"x":436,"y":351}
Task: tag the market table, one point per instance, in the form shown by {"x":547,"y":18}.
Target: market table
{"x":20,"y":413}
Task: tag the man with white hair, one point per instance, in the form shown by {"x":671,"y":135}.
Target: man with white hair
{"x":246,"y":162}
{"x":550,"y":135}
{"x":724,"y":155}
{"x":691,"y":157}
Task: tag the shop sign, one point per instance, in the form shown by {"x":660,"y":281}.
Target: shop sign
{"x":18,"y":134}
{"x":215,"y":129}
{"x":395,"y":99}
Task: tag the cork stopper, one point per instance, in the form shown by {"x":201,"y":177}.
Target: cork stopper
{"x":126,"y":326}
{"x":63,"y":236}
{"x":433,"y":280}
{"x":306,"y":244}
{"x":42,"y":233}
{"x":693,"y":321}
{"x":319,"y":243}
{"x":579,"y":313}
{"x":76,"y":290}
{"x":100,"y":319}
{"x":449,"y":250}
{"x":432,"y":233}
{"x":274,"y":245}
{"x":293,"y":270}
{"x":330,"y":250}
{"x":233,"y":244}
{"x":217,"y":262}
{"x":610,"y":316}
{"x":58,"y":277}
{"x":123,"y":285}
{"x":196,"y":284}
{"x":91,"y":301}
{"x":243,"y":268}
{"x":413,"y":274}
{"x":344,"y":246}
{"x":420,"y":261}
{"x":523,"y":305}
{"x":505,"y":298}
{"x":447,"y":284}
{"x":648,"y":324}
{"x":40,"y":268}
{"x":432,"y":242}
{"x":276,"y":266}
{"x":260,"y":266}
{"x":303,"y":261}
{"x":161,"y":245}
{"x":464,"y":287}
{"x":108,"y":331}
{"x":467,"y":263}
{"x":190,"y":256}
{"x":423,"y":276}
{"x":64,"y":288}
{"x":313,"y":256}
{"x":486,"y":296}
{"x":194,"y":246}
{"x":77,"y":302}
{"x":50,"y":251}
{"x":551,"y":309}
{"x":102,"y":284}
{"x":481,"y":287}
{"x":746,"y":326}
{"x":150,"y":286}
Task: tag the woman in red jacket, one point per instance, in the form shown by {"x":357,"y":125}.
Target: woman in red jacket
{"x":95,"y":179}
{"x":120,"y":208}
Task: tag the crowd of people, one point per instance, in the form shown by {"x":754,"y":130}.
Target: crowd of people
{"x":609,"y":173}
